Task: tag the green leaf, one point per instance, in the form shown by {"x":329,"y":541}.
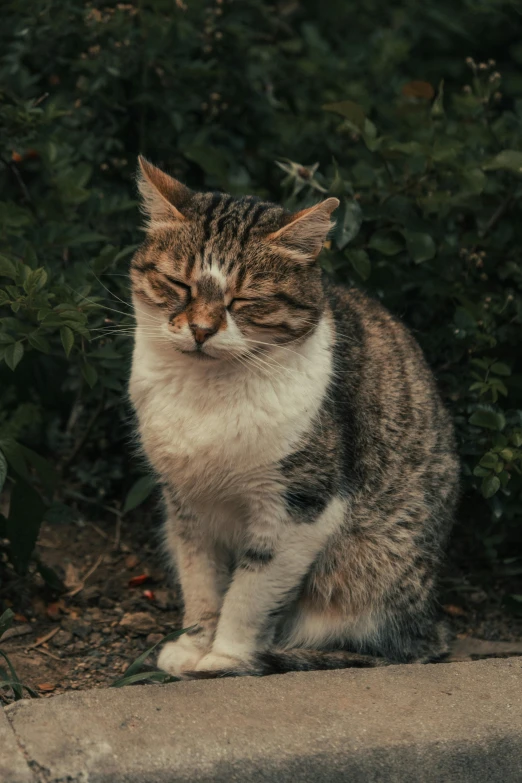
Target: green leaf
{"x":349,"y":219}
{"x":26,"y":512}
{"x":132,"y":670}
{"x":489,"y":420}
{"x":6,"y":621}
{"x":13,"y":355}
{"x":7,"y":268}
{"x":35,"y":280}
{"x":499,"y":368}
{"x":490,"y":485}
{"x":474,"y":180}
{"x":350,"y":111}
{"x":386,"y":242}
{"x":39,"y":342}
{"x":3,"y":470}
{"x":507,"y":160}
{"x":14,"y":681}
{"x":144,"y":678}
{"x":360,"y":262}
{"x":139,"y":492}
{"x":13,"y":452}
{"x":437,"y":107}
{"x":89,"y":373}
{"x":489,"y":460}
{"x":67,"y":337}
{"x":420,"y":246}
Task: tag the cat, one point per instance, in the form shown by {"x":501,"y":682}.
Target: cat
{"x":307,"y":463}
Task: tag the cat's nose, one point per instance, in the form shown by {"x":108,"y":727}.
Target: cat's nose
{"x":202,"y":332}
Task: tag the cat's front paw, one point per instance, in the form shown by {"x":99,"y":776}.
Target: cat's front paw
{"x":179,"y":656}
{"x":216,"y":665}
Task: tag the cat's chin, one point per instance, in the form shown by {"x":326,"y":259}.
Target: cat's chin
{"x":199,"y":355}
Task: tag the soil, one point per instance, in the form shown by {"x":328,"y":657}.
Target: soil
{"x":119,"y":602}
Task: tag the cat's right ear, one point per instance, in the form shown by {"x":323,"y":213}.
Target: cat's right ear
{"x":163,"y":197}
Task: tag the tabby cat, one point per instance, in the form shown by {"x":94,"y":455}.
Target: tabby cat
{"x":307,"y":463}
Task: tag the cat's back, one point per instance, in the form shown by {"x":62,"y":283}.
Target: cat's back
{"x":386,"y":400}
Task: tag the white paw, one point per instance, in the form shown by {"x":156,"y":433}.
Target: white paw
{"x":214,"y":662}
{"x":181,"y":655}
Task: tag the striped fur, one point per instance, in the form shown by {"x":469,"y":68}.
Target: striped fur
{"x":307,"y":462}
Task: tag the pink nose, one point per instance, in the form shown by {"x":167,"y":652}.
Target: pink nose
{"x":202,"y":333}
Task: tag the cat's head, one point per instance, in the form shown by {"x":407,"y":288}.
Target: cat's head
{"x":220,"y":277}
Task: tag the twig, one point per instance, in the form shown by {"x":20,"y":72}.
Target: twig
{"x":98,"y":530}
{"x":50,"y":654}
{"x":89,"y":573}
{"x":80,"y":443}
{"x":21,"y":184}
{"x":117,"y":533}
{"x":91,"y":501}
{"x":497,"y":214}
{"x":43,"y":639}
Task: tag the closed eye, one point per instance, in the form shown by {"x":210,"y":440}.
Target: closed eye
{"x":178,"y":283}
{"x":241,"y":301}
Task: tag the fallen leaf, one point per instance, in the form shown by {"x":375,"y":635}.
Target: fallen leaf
{"x":46,"y":687}
{"x":20,"y":630}
{"x":136,"y":581}
{"x":418,"y":89}
{"x":20,"y":618}
{"x":149,"y":595}
{"x":54,"y":610}
{"x":72,"y":577}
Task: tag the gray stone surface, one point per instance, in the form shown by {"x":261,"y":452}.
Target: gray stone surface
{"x":13,"y":767}
{"x":403,"y":724}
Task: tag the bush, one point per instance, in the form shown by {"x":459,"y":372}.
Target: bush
{"x":377,"y":106}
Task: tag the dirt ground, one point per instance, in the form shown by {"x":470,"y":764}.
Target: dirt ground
{"x":119,"y":602}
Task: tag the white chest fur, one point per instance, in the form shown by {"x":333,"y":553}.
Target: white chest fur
{"x":213,"y":431}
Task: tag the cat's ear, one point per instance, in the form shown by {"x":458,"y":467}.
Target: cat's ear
{"x":163,"y":197}
{"x":304,"y":232}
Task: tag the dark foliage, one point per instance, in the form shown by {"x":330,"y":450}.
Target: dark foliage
{"x":409,"y":112}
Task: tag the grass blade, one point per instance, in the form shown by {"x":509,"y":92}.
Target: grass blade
{"x":136,"y":665}
{"x":144,"y":677}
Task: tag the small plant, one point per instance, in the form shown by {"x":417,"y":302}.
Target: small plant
{"x":136,"y":672}
{"x":10,"y":685}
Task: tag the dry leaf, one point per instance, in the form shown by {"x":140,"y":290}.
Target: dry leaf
{"x":72,"y":577}
{"x":46,"y":687}
{"x":418,"y":89}
{"x":136,"y":581}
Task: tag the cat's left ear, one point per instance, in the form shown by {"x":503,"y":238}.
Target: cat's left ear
{"x":163,"y":197}
{"x":304,"y":232}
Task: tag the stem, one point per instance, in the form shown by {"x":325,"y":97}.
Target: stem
{"x":13,"y":168}
{"x":497,"y":214}
{"x":80,"y":443}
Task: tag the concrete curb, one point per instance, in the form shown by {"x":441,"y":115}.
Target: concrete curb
{"x":403,"y":724}
{"x":13,"y":766}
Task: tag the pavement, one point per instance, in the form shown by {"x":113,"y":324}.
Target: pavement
{"x":400,"y":724}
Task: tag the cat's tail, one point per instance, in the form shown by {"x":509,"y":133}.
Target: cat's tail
{"x":294,"y":660}
{"x":306,"y":660}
